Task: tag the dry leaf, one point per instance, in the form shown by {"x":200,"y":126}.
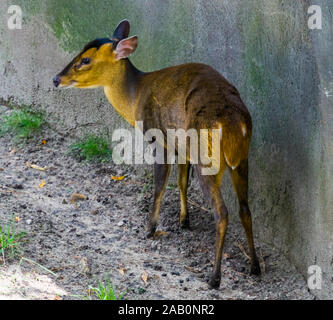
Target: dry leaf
{"x":84,"y":266}
{"x":122,"y":271}
{"x":58,"y":298}
{"x":42,"y":184}
{"x":33,"y":166}
{"x":145,"y":277}
{"x":1,"y":169}
{"x":226,"y":256}
{"x":38,"y":168}
{"x":77,"y":197}
{"x":57,"y":269}
{"x":194,"y":270}
{"x":241,"y":248}
{"x":158,"y":234}
{"x":117,"y":178}
{"x":13,"y":151}
{"x":201,"y":249}
{"x":44,"y":142}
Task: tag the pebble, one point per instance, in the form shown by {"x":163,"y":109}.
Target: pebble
{"x":154,"y":245}
{"x":158,"y":268}
{"x":121,"y":223}
{"x":29,"y":221}
{"x":194,"y":264}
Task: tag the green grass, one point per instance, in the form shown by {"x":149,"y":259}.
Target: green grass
{"x":22,"y":123}
{"x":148,"y":182}
{"x":10,"y":241}
{"x":105,"y":291}
{"x":92,"y":148}
{"x":172,"y":186}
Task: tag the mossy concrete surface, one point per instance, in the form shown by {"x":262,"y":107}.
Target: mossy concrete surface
{"x":265,"y":48}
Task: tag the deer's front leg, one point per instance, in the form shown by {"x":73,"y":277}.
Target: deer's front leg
{"x":161,"y":176}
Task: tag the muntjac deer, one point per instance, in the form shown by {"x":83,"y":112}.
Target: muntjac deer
{"x":189,"y":96}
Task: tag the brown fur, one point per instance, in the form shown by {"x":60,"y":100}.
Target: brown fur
{"x":189,"y":96}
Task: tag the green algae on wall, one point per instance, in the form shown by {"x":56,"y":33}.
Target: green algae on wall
{"x":282,"y":85}
{"x":279,"y":66}
{"x":77,"y":22}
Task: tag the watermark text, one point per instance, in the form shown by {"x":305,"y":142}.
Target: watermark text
{"x":15,"y":20}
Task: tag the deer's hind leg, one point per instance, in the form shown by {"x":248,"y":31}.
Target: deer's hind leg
{"x":240,"y":182}
{"x":211,"y":188}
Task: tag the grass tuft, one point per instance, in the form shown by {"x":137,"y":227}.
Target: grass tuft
{"x":92,"y":148}
{"x":22,"y":123}
{"x":10,"y":241}
{"x":104,"y":291}
{"x":148,"y":182}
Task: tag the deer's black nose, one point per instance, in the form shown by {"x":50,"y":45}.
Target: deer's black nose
{"x":56,"y":81}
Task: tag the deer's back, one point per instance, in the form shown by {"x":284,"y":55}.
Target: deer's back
{"x":189,"y":96}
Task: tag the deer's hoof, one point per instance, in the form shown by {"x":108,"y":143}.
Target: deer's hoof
{"x":185,"y":225}
{"x":214,"y":282}
{"x":151,"y":232}
{"x":255,"y":269}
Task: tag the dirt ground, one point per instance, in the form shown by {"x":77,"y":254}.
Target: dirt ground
{"x":104,"y":235}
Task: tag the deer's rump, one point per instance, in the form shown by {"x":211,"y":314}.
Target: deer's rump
{"x":196,"y":96}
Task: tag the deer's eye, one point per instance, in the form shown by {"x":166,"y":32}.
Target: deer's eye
{"x":85,"y":61}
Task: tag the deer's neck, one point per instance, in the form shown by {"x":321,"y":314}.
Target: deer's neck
{"x":122,"y":89}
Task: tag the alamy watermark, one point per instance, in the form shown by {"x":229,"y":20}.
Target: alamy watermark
{"x":176,"y":146}
{"x":16,"y":18}
{"x":315,"y":277}
{"x":315,"y":19}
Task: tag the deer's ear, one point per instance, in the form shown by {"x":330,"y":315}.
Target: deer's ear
{"x":122,"y":31}
{"x":126,"y":47}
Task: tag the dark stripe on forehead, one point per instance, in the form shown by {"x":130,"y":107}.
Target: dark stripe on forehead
{"x":64,"y":72}
{"x":96,"y":44}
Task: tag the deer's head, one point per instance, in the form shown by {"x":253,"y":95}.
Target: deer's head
{"x":100,"y":60}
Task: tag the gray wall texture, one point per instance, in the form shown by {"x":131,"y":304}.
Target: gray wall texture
{"x":282,"y":69}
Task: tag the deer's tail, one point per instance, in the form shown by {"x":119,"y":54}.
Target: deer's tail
{"x":236,"y":138}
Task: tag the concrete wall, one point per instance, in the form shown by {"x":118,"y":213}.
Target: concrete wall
{"x":264,"y":47}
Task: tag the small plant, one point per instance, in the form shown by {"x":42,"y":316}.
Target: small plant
{"x":105,"y":292}
{"x":10,"y":240}
{"x":141,"y":291}
{"x":172,"y":186}
{"x":23,"y":123}
{"x":92,"y":147}
{"x":148,"y":182}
